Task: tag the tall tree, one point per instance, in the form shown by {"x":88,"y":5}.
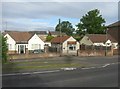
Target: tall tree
{"x":66,"y":27}
{"x":91,"y":23}
{"x":4,"y":48}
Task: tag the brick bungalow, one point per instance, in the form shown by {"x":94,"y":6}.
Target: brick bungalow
{"x":114,"y":30}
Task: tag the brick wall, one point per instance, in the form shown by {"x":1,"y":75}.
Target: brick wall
{"x":116,"y":52}
{"x":94,"y":53}
{"x":11,"y":52}
{"x":30,"y":56}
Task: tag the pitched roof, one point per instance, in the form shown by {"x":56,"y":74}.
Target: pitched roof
{"x":20,"y":36}
{"x":59,"y":39}
{"x":38,"y":32}
{"x":96,"y":38}
{"x":56,"y":33}
{"x":116,"y":24}
{"x":43,"y":38}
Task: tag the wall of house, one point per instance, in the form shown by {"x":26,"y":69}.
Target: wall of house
{"x":11,"y":43}
{"x":48,"y":43}
{"x":108,"y":43}
{"x":115,"y":45}
{"x":25,"y":47}
{"x":86,"y":41}
{"x":35,"y":40}
{"x":114,"y":32}
{"x":65,"y":46}
{"x":99,"y":44}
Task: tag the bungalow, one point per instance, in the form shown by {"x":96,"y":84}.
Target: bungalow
{"x":22,"y":42}
{"x":67,"y":44}
{"x":99,"y":40}
{"x":114,"y":28}
{"x":56,"y":33}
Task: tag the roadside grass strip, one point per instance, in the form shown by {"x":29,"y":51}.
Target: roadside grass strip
{"x":47,"y":66}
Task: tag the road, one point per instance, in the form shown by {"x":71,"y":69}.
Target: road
{"x":106,"y":76}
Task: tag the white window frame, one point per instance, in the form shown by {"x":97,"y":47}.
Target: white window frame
{"x":35,"y":46}
{"x":73,"y":47}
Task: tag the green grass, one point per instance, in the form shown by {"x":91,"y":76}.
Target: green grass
{"x":47,"y":66}
{"x":14,"y":68}
{"x":39,"y":65}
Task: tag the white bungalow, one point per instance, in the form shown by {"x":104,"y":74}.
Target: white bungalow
{"x":68,"y":44}
{"x":23,"y":42}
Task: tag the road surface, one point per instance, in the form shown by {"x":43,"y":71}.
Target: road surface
{"x":105,"y":76}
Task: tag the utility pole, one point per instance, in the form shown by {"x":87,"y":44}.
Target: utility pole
{"x":106,"y":44}
{"x":60,"y":36}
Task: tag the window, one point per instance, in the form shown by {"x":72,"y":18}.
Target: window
{"x":46,"y":44}
{"x":9,"y":46}
{"x":72,"y":47}
{"x":108,"y":43}
{"x":35,"y":46}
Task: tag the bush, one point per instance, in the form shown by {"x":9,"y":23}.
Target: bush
{"x":49,"y":38}
{"x":4,"y":48}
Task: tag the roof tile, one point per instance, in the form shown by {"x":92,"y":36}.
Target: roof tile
{"x":59,"y":39}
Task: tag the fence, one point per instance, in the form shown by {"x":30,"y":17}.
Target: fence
{"x":92,"y":47}
{"x":86,"y":50}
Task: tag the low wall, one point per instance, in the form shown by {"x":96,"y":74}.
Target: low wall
{"x":11,"y":52}
{"x":116,"y":52}
{"x":30,"y":56}
{"x":94,"y":53}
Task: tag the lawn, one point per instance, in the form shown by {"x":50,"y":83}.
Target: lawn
{"x":45,"y":64}
{"x":38,"y":65}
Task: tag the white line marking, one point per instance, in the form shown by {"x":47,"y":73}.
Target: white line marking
{"x":25,"y":73}
{"x":30,"y":73}
{"x":89,"y":68}
{"x":106,"y":65}
{"x":68,"y":69}
{"x":85,"y":68}
{"x":92,"y":67}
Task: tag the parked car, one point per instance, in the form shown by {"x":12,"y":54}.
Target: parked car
{"x":38,"y":51}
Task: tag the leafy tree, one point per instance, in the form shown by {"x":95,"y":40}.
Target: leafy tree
{"x":91,"y":23}
{"x":4,"y":48}
{"x":66,"y":27}
{"x":49,"y":37}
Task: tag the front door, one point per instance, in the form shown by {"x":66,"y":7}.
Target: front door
{"x":22,"y":49}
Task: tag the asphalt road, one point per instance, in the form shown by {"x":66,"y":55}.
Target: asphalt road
{"x":94,"y":77}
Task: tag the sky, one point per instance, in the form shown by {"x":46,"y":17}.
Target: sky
{"x":38,"y":15}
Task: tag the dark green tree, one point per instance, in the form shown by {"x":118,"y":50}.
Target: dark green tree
{"x":66,"y":27}
{"x":91,"y":23}
{"x":4,"y":48}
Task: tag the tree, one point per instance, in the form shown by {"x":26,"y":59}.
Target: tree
{"x":49,"y":37}
{"x":66,"y":27}
{"x":4,"y":48}
{"x":91,"y":23}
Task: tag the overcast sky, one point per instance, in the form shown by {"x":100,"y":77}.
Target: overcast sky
{"x":44,"y":15}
